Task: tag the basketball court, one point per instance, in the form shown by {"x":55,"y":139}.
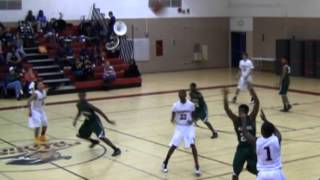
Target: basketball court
{"x":143,"y":131}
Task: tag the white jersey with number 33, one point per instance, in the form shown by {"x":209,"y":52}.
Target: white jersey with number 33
{"x":268,"y":153}
{"x":183,"y":112}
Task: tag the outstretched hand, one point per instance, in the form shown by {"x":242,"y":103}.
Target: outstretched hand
{"x":263,"y":116}
{"x":74,"y":123}
{"x":112,"y":122}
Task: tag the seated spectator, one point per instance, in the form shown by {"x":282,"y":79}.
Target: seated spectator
{"x":26,"y":33}
{"x":2,"y":27}
{"x":49,"y":29}
{"x":7,"y":38}
{"x":19,"y":45}
{"x":12,"y":81}
{"x":88,"y":66}
{"x":2,"y":59}
{"x":29,"y":79}
{"x":30,"y":17}
{"x":13,"y":58}
{"x":78,"y":69}
{"x":109,"y":73}
{"x":87,"y":52}
{"x":64,"y":54}
{"x":133,"y":70}
{"x":41,"y":21}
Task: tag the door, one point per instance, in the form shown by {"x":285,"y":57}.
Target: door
{"x":238,"y":46}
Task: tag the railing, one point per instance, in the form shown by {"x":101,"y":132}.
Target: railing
{"x":126,"y":46}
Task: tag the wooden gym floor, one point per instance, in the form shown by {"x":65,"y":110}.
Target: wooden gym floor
{"x":143,"y":131}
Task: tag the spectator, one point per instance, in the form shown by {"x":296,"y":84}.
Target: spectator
{"x":49,"y":29}
{"x":13,"y":58}
{"x":88,"y":66}
{"x":2,"y":60}
{"x":7,"y":38}
{"x":41,"y":21}
{"x":78,"y":69}
{"x":30,"y":17}
{"x":65,"y":54}
{"x":60,"y":24}
{"x":12,"y":81}
{"x":109,"y":73}
{"x":19,"y":45}
{"x":30,"y":79}
{"x":26,"y":33}
{"x":133,"y":70}
{"x":2,"y":29}
{"x":112,"y":21}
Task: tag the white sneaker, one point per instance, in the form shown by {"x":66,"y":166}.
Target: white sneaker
{"x":197,"y":172}
{"x":164,"y":169}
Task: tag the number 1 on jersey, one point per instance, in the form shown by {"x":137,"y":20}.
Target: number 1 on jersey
{"x":268,"y":153}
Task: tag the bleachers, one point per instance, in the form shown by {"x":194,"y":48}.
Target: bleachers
{"x":96,"y":81}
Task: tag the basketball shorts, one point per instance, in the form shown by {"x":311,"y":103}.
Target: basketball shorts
{"x":201,"y":113}
{"x":91,"y":126}
{"x":185,"y":133}
{"x":284,"y":87}
{"x":243,"y":82}
{"x":271,"y":174}
{"x":38,"y":119}
{"x":242,"y":155}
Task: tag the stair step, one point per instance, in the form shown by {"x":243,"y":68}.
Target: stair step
{"x":56,"y":80}
{"x":50,"y":73}
{"x":31,"y":48}
{"x":41,"y":60}
{"x":35,"y":54}
{"x":45,"y":67}
{"x":64,"y":88}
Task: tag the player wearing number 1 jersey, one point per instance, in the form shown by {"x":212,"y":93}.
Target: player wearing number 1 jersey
{"x":245,"y":151}
{"x":183,"y":117}
{"x":268,"y":149}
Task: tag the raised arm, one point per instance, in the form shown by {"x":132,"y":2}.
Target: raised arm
{"x":227,"y":109}
{"x":276,"y":130}
{"x":250,"y":138}
{"x":255,"y":111}
{"x":101,"y":113}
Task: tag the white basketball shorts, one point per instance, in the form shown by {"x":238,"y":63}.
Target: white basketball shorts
{"x":271,"y":175}
{"x":38,"y":119}
{"x":185,"y":133}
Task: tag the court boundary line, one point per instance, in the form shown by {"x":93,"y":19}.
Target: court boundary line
{"x":158,"y":93}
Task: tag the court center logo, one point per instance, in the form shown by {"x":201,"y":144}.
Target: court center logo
{"x":22,"y":157}
{"x":36,"y":154}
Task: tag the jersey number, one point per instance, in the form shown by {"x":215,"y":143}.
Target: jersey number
{"x":242,"y":138}
{"x":268,"y":153}
{"x":183,"y":117}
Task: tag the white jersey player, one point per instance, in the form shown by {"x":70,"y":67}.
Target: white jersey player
{"x":268,"y":149}
{"x":246,"y":67}
{"x":183,"y":117}
{"x":37,"y":117}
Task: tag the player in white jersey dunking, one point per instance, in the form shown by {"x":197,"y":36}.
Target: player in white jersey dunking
{"x":183,"y":117}
{"x":268,"y":149}
{"x":37,"y":117}
{"x":245,"y":67}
